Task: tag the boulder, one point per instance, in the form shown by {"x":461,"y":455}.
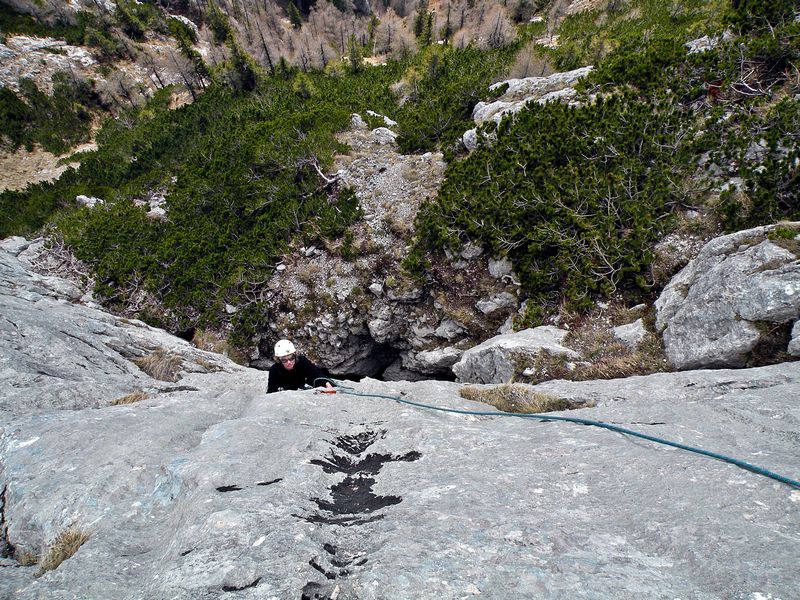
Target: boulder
{"x":631,"y":334}
{"x":498,"y":359}
{"x":502,"y":301}
{"x":436,"y":362}
{"x":712,"y":313}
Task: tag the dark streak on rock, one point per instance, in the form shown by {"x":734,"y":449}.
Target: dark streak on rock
{"x":233,"y":588}
{"x":185,"y":552}
{"x":7,"y":549}
{"x":228,"y":488}
{"x":352,"y":502}
{"x":318,"y":567}
{"x":270,"y":482}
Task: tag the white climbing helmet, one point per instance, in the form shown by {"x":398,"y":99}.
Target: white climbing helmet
{"x":284,"y":348}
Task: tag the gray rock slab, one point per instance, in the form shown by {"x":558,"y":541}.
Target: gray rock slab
{"x":55,"y":354}
{"x":212,"y":489}
{"x":631,"y":334}
{"x":225,"y":489}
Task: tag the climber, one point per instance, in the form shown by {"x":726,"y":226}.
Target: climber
{"x":293,"y":372}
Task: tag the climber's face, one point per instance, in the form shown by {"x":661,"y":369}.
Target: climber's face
{"x":288,"y":361}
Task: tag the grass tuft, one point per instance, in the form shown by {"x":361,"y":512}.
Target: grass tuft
{"x":161,"y":365}
{"x":27,"y":559}
{"x":131,"y":398}
{"x":514,"y":397}
{"x":63,"y":547}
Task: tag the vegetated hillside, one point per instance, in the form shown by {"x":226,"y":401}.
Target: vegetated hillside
{"x":576,"y":196}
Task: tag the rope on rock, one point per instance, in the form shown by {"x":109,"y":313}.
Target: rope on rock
{"x":549,"y":417}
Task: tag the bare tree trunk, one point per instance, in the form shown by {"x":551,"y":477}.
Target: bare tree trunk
{"x":148,"y":60}
{"x":266,"y":50}
{"x":186,"y":81}
{"x":125,"y":92}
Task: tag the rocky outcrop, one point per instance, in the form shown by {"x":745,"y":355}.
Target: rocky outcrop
{"x":740,"y":294}
{"x":500,"y":358}
{"x":353,"y":309}
{"x":57,"y":354}
{"x":519,"y":93}
{"x":209,"y":488}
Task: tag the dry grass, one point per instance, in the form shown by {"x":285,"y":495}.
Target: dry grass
{"x":130,"y":398}
{"x":63,"y":547}
{"x":161,"y":365}
{"x":514,"y":397}
{"x":27,"y":559}
{"x":213,"y":342}
{"x":603,"y":355}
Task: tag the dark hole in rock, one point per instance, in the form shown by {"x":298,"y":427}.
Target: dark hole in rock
{"x":186,"y":334}
{"x":270,"y":482}
{"x":772,"y":345}
{"x":185,"y":552}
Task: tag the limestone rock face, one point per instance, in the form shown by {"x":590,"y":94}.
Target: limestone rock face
{"x":212,"y":489}
{"x":497,"y":359}
{"x":360,"y":315}
{"x":530,"y":89}
{"x":519,"y":93}
{"x":711,"y":313}
{"x":55,"y":354}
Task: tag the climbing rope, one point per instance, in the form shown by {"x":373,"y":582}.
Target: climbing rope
{"x":549,"y":417}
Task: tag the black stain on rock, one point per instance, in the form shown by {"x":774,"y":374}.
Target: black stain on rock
{"x":233,"y":588}
{"x":353,"y":495}
{"x":228,"y":488}
{"x":370,"y":464}
{"x":352,"y":499}
{"x":352,"y":502}
{"x":270,"y":482}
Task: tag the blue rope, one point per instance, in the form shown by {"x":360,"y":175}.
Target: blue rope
{"x":548,"y":417}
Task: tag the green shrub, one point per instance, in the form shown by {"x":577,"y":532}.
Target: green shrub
{"x":576,"y":197}
{"x":55,"y":122}
{"x":446,"y":84}
{"x":761,"y":13}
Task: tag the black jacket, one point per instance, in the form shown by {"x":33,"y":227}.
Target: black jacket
{"x":304,"y":372}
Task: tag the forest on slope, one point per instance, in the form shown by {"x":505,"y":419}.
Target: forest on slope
{"x":575,"y":196}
